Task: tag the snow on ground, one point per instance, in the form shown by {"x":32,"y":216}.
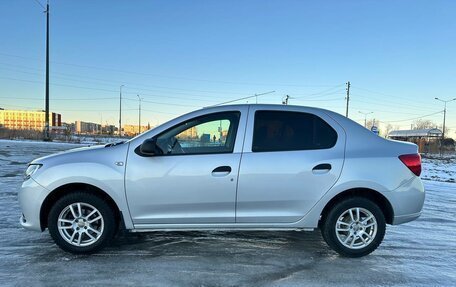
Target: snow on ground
{"x":439,"y":169}
{"x":419,"y":253}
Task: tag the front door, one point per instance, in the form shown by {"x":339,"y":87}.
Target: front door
{"x":194,"y":180}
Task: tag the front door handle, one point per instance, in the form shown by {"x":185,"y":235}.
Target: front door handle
{"x":321,"y":168}
{"x":221,"y":170}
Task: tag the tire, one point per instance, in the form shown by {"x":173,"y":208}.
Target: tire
{"x":81,"y":223}
{"x":360,"y":225}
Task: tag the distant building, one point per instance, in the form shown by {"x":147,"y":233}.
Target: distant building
{"x":109,"y":129}
{"x":87,"y":128}
{"x":426,"y":139}
{"x":132,"y":130}
{"x":28,"y":120}
{"x":69,"y":127}
{"x":188,"y":134}
{"x":411,"y":135}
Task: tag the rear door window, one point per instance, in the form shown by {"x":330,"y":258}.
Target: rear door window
{"x":288,"y":131}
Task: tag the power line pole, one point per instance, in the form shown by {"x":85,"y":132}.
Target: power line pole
{"x":285,"y":101}
{"x":444,"y":114}
{"x":120,"y":111}
{"x":139,"y":120}
{"x":347,"y":98}
{"x":46,"y":117}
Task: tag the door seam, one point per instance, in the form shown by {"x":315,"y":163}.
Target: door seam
{"x":239,"y":166}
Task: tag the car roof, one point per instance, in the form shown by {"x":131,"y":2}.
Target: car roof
{"x":266,"y":106}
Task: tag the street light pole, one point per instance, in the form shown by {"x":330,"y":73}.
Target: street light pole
{"x":120,"y":111}
{"x":139,"y":117}
{"x":444,"y":114}
{"x":47,"y":136}
{"x":365,"y":117}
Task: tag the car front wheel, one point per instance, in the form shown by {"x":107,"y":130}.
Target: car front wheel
{"x":354,"y":227}
{"x":81,"y":223}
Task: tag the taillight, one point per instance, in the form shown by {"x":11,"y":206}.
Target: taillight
{"x":413,"y":162}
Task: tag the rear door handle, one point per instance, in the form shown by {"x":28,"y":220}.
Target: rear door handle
{"x":221,"y":170}
{"x":322,"y":168}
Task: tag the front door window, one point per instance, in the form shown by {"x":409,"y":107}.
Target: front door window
{"x":214,"y":133}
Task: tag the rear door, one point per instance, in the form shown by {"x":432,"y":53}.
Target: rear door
{"x":291,"y":158}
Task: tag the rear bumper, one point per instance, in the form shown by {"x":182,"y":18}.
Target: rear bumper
{"x":31,"y":197}
{"x":407,"y":200}
{"x":405,"y":218}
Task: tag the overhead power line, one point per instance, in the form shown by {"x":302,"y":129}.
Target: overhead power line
{"x":325,"y":92}
{"x":39,"y":3}
{"x":100,"y":89}
{"x":60,"y":99}
{"x":171,"y":77}
{"x":397,"y":105}
{"x":387,"y":95}
{"x":137,"y":86}
{"x":161,"y":103}
{"x":411,"y":119}
{"x":89,"y":110}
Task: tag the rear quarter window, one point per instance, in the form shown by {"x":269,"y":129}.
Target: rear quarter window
{"x":288,"y":131}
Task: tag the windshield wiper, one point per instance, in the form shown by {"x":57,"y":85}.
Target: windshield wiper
{"x":114,"y":144}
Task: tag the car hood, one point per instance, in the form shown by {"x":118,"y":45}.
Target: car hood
{"x":72,"y":152}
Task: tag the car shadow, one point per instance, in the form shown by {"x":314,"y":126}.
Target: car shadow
{"x":188,"y":243}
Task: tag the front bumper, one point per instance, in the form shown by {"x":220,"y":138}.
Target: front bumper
{"x":31,"y":197}
{"x":407,"y":201}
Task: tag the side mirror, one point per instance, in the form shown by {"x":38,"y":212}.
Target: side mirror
{"x":149,"y":147}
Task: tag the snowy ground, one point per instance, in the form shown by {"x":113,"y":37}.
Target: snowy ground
{"x":420,"y":253}
{"x":439,"y":169}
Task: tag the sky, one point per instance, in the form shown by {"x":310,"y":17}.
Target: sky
{"x":179,"y":56}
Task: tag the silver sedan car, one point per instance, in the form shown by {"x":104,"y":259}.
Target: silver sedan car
{"x":236,"y":167}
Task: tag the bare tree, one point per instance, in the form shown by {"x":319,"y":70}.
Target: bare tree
{"x":388,"y":129}
{"x":372,"y":122}
{"x":421,"y":124}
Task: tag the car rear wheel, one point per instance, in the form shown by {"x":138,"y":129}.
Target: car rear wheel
{"x":354,"y":227}
{"x":81,"y":223}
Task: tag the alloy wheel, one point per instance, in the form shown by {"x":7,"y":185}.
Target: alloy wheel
{"x":80,"y":224}
{"x":356,"y":228}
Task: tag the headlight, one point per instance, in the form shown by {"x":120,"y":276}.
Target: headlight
{"x":31,"y":169}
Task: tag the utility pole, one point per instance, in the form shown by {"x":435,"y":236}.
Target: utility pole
{"x":47,"y":136}
{"x":120,"y":111}
{"x":365,"y":117}
{"x":139,"y":120}
{"x":285,"y":101}
{"x":444,"y":113}
{"x":347,"y":98}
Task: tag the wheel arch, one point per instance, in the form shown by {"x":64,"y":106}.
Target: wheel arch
{"x":63,"y":190}
{"x":368,"y":193}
